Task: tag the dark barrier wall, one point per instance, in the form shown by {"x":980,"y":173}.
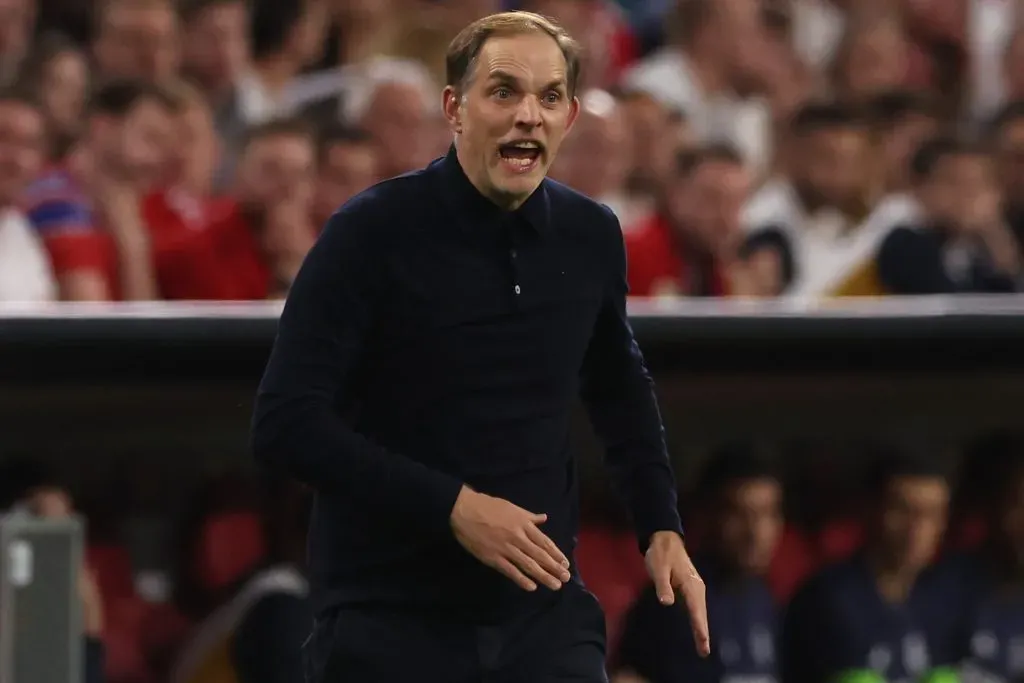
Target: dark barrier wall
{"x":171,"y":387}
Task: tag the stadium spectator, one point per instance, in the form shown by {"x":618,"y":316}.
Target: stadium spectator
{"x":882,"y":610}
{"x":88,"y":210}
{"x":657,"y":133}
{"x":25,"y":273}
{"x":1007,"y":136}
{"x":694,"y":245}
{"x":873,"y":57}
{"x":952,"y":236}
{"x":16,"y":20}
{"x":57,"y":71}
{"x":994,"y":618}
{"x":742,"y":501}
{"x":716,"y":49}
{"x":902,"y":121}
{"x":596,"y":158}
{"x":256,"y":635}
{"x":136,"y":39}
{"x":346,"y":165}
{"x":816,"y":216}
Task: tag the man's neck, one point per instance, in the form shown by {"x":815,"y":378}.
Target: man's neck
{"x":894,"y":583}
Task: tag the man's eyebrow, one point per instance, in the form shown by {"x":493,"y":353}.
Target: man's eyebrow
{"x":505,"y":77}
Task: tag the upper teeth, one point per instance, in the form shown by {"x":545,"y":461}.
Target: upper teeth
{"x":526,"y":145}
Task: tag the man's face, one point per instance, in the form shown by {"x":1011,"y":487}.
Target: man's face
{"x":22,"y":148}
{"x":751,"y":524}
{"x":707,"y":205}
{"x":138,"y":42}
{"x":196,"y":151}
{"x":913,"y":520}
{"x":1010,"y":156}
{"x":347,"y":169}
{"x":398,"y":122}
{"x":137,"y":148}
{"x":835,"y":163}
{"x":513,"y":115}
{"x":959,"y":184}
{"x":276,"y":170}
{"x":595,"y":159}
{"x":903,"y":140}
{"x":216,"y":44}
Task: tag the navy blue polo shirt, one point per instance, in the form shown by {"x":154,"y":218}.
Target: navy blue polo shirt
{"x":432,"y":340}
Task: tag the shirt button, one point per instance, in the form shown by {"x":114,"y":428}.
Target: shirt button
{"x":514,"y":253}
{"x":517,"y":290}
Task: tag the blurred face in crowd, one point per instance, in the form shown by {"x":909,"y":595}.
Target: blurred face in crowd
{"x":135,"y":148}
{"x":1013,"y":67}
{"x":138,"y":39}
{"x":1010,"y":157}
{"x":277,"y":169}
{"x":347,"y":168}
{"x":595,"y":158}
{"x":1010,"y":520}
{"x":961,"y":191}
{"x":511,"y":115}
{"x":16,"y":18}
{"x":398,"y":121}
{"x":654,"y":139}
{"x":196,"y":150}
{"x":912,"y":520}
{"x":750,"y":524}
{"x":22,"y":148}
{"x":876,"y":60}
{"x":706,"y":206}
{"x":834,"y":165}
{"x":64,"y":87}
{"x":901,"y":141}
{"x":216,"y":45}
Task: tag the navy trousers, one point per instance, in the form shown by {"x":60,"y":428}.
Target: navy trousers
{"x":562,"y":643}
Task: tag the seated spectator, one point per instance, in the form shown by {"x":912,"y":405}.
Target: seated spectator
{"x":257,"y":635}
{"x":58,"y":72}
{"x":596,"y":157}
{"x":1006,"y":133}
{"x":882,"y":610}
{"x":902,"y":120}
{"x":743,"y":501}
{"x":31,"y":487}
{"x":694,"y":246}
{"x":994,"y":578}
{"x":346,"y":165}
{"x":25,"y":272}
{"x":88,"y":210}
{"x":953,"y":237}
{"x":136,"y":40}
{"x":816,"y":217}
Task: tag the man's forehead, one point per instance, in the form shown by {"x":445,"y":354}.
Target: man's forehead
{"x":528,"y":56}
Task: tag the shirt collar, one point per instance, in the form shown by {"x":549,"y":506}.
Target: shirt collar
{"x":535,"y":211}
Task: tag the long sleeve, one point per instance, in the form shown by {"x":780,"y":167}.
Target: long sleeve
{"x":910,"y":262}
{"x":619,"y":395}
{"x":323,"y":335}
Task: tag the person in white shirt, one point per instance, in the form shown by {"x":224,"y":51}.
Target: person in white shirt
{"x":718,"y":50}
{"x":25,"y":272}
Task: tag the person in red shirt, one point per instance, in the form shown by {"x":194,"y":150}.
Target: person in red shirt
{"x":89,"y":210}
{"x":694,"y":245}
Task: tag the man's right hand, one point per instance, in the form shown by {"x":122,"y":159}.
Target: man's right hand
{"x":507,"y":538}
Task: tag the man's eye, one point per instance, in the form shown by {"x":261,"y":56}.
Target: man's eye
{"x":553,"y":97}
{"x":503,"y":93}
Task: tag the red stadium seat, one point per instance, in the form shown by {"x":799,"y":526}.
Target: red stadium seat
{"x":795,"y":559}
{"x":231,"y":545}
{"x":613,"y":569}
{"x":113,"y":569}
{"x":840,"y":539}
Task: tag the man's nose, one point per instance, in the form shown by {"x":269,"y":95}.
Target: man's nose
{"x":528,"y":112}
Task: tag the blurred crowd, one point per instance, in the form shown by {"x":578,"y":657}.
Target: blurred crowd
{"x":192,"y":149}
{"x":868,"y":564}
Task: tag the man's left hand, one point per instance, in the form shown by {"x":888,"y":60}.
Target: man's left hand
{"x":671,"y":569}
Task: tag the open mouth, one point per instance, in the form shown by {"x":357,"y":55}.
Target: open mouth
{"x":521,"y":156}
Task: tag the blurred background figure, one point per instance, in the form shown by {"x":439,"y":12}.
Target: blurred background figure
{"x":882,"y":610}
{"x":346,"y":165}
{"x":739,"y":499}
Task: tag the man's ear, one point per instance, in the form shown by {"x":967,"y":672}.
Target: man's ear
{"x":451,"y":103}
